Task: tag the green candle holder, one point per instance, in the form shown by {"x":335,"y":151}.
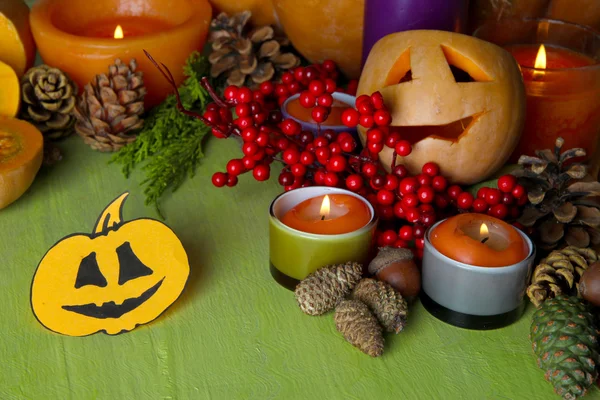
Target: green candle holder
{"x":295,"y":254}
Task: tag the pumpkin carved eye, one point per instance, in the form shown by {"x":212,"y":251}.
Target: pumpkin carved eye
{"x":463,"y":69}
{"x":89,"y":273}
{"x":130,"y":266}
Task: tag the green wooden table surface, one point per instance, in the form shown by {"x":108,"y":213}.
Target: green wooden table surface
{"x":234,"y":333}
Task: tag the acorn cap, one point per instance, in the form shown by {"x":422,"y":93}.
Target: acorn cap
{"x":389,"y":255}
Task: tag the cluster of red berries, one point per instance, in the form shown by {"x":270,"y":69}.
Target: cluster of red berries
{"x":407,"y":205}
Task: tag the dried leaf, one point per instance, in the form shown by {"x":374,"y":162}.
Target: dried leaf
{"x":577,"y":236}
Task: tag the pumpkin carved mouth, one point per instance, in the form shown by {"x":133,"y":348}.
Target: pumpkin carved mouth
{"x":111,"y":309}
{"x":452,"y":131}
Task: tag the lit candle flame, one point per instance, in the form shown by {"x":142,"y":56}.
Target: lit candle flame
{"x":118,"y":32}
{"x":325,"y":206}
{"x":484,"y":233}
{"x":540,"y":62}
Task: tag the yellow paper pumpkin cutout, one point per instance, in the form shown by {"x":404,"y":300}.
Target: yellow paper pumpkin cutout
{"x":123,"y":275}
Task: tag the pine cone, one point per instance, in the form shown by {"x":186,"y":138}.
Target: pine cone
{"x":559,"y":273}
{"x":354,"y":320}
{"x":109,"y":109}
{"x":247,"y":57}
{"x":48,"y":100}
{"x":322,"y":290}
{"x":564,"y":206}
{"x":387,"y":304}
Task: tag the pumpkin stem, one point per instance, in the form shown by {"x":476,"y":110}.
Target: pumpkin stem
{"x":112,"y":216}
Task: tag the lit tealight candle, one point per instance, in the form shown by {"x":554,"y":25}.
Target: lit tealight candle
{"x":479,"y":240}
{"x":118,"y":32}
{"x":328,"y":215}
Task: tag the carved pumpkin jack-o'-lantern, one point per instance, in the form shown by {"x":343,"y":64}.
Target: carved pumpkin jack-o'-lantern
{"x":123,"y":275}
{"x":458,"y":100}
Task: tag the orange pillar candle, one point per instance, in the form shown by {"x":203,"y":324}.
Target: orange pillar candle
{"x":328,"y":215}
{"x":560,"y":101}
{"x":479,"y":240}
{"x":81,"y":37}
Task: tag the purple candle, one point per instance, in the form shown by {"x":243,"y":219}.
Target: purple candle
{"x":383,"y":17}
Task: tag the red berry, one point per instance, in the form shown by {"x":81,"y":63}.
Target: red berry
{"x":232,"y":180}
{"x":260,"y":155}
{"x":329,"y":66}
{"x":403,"y":148}
{"x":426,"y":194}
{"x":514,"y":212}
{"x":413,"y":215}
{"x":350,"y":117}
{"x":369,"y":170}
{"x":316,"y":87}
{"x":365,"y":108}
{"x":441,"y":201}
{"x":431,"y":169}
{"x":493,"y":196}
{"x":291,"y":156}
{"x":521,"y":201}
{"x":388,"y":237}
{"x":244,"y":122}
{"x":306,"y":99}
{"x":267,"y":88}
{"x":286,"y":178}
{"x":419,"y":244}
{"x":406,"y":233}
{"x":287,"y":78}
{"x":377,"y":182}
{"x":518,"y":191}
{"x":325,"y":100}
{"x":250,"y":148}
{"x":337,"y":163}
{"x":319,"y":114}
{"x":307,"y":158}
{"x":219,"y":179}
{"x":235,"y":167}
{"x":508,"y":199}
{"x":439,"y":183}
{"x":464,"y":200}
{"x":330,"y":86}
{"x":261,"y":172}
{"x":212,"y":116}
{"x":298,"y":170}
{"x":480,"y":206}
{"x":506,"y":183}
{"x":400,"y":171}
{"x":243,"y":110}
{"x":419,"y":230}
{"x":385,"y":212}
{"x":321,"y":142}
{"x":249,"y":162}
{"x":331,"y":179}
{"x":306,"y":137}
{"x":244,"y":95}
{"x":375,"y":147}
{"x":454,"y":191}
{"x":329,"y":134}
{"x":410,"y":200}
{"x":366,"y":121}
{"x":391,"y":182}
{"x":322,"y":154}
{"x":290,"y":127}
{"x":499,"y":211}
{"x":354,"y":182}
{"x":399,"y":210}
{"x":392,"y":139}
{"x":299,"y":73}
{"x":424,"y":180}
{"x":348,"y":145}
{"x":262,"y":139}
{"x":382,"y":117}
{"x":362,"y":99}
{"x":319,"y":176}
{"x":408,"y":185}
{"x":282,"y":90}
{"x":230,"y":92}
{"x":482,"y":193}
{"x":375,"y":135}
{"x":427,"y":218}
{"x":377,"y":100}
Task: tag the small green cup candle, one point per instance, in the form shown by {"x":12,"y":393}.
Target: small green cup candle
{"x":294,"y":253}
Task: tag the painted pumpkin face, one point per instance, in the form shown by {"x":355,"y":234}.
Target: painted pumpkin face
{"x":123,"y":275}
{"x":458,"y":100}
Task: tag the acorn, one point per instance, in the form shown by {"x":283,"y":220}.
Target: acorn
{"x":589,"y":286}
{"x":397,"y":268}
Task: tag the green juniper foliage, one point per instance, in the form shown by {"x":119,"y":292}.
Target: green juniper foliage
{"x":170,"y":144}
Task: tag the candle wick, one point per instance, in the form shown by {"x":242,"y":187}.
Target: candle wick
{"x":322,"y":217}
{"x":485,"y":239}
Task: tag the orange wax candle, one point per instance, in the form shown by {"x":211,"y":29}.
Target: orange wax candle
{"x":82,"y":39}
{"x":328,"y":215}
{"x":563,"y":98}
{"x":295,"y":109}
{"x":479,"y":240}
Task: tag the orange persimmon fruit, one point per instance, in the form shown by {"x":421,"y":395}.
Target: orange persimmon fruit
{"x":10,"y":94}
{"x":21,"y":151}
{"x":17,"y":47}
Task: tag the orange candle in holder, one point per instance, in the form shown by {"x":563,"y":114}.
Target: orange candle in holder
{"x":82,"y":37}
{"x":479,"y":240}
{"x":328,"y":215}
